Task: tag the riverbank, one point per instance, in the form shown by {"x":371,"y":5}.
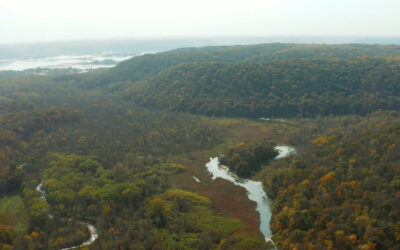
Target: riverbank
{"x":255,"y":190}
{"x":91,"y":228}
{"x":223,"y":194}
{"x":231,"y":196}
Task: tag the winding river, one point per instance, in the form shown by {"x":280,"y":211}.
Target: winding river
{"x":91,"y":228}
{"x":255,"y":190}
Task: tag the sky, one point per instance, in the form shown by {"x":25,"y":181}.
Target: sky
{"x":57,"y":20}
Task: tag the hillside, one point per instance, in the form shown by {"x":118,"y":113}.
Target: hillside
{"x":343,"y":191}
{"x":307,"y":88}
{"x":148,"y":65}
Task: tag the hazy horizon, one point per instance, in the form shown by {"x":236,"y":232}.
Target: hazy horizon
{"x":23,"y":21}
{"x":143,"y":45}
{"x":245,"y":40}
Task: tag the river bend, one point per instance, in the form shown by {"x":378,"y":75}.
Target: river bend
{"x":255,"y":190}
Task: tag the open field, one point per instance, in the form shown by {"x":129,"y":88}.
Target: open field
{"x":12,"y":213}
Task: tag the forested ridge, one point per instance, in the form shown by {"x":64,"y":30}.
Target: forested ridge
{"x":289,"y":88}
{"x":149,"y":65}
{"x":120,"y":148}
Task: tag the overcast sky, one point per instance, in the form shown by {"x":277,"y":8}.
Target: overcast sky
{"x":53,"y":20}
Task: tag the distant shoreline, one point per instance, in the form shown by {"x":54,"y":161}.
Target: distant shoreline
{"x":137,"y":45}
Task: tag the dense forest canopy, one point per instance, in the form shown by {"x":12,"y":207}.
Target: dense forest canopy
{"x":289,"y":88}
{"x":148,"y":65}
{"x":343,"y":192}
{"x":120,"y":149}
{"x":245,"y":159}
{"x":142,"y":67}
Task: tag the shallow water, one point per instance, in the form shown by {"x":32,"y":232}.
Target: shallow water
{"x":284,"y":151}
{"x":91,"y":228}
{"x":41,"y":191}
{"x":93,"y":237}
{"x":255,"y":190}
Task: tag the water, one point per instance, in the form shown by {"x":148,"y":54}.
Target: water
{"x":273,"y":120}
{"x":255,"y":190}
{"x":82,"y":63}
{"x":41,"y":191}
{"x":196,"y":179}
{"x":93,"y":237}
{"x":284,"y":151}
{"x":91,"y":228}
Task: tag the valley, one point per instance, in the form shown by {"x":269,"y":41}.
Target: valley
{"x":122,"y":155}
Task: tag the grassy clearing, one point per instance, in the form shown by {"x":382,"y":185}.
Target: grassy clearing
{"x":12,"y":213}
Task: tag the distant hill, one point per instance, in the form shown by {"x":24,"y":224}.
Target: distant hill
{"x":306,"y":87}
{"x":303,"y":51}
{"x":148,"y":65}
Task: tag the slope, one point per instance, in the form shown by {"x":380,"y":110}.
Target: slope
{"x":292,"y":88}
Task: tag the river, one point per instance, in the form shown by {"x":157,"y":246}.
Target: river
{"x":255,"y":190}
{"x":91,"y":228}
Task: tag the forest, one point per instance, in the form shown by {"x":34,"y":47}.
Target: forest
{"x":246,"y":159}
{"x":119,"y":149}
{"x":343,"y":192}
{"x":140,"y":68}
{"x":305,"y":88}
